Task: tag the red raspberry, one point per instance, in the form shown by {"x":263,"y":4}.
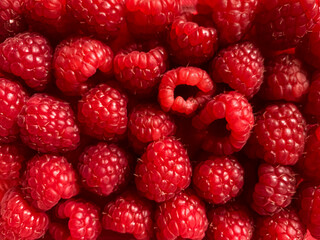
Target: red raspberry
{"x":195,"y":86}
{"x":164,"y":170}
{"x":283,"y":225}
{"x":241,"y":67}
{"x":58,"y":231}
{"x":285,"y":79}
{"x":149,"y":17}
{"x":129,"y":213}
{"x":84,"y":219}
{"x":47,"y":124}
{"x":192,"y":42}
{"x":101,"y":18}
{"x":5,"y":185}
{"x":139,"y":68}
{"x":227,"y":121}
{"x":102,"y":111}
{"x":229,"y":222}
{"x":13,"y":97}
{"x":274,"y":190}
{"x":11,"y":158}
{"x":279,"y":135}
{"x":313,"y":102}
{"x":218,"y":179}
{"x":183,"y":216}
{"x":76,"y":60}
{"x":308,"y":236}
{"x":148,"y":123}
{"x":28,"y":56}
{"x":20,"y":218}
{"x":281,"y":24}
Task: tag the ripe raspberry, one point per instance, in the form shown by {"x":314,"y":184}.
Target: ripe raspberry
{"x":47,"y":124}
{"x":28,"y":56}
{"x":279,"y":135}
{"x":274,"y":190}
{"x":76,"y":60}
{"x":283,"y":225}
{"x":13,"y":97}
{"x":83,"y":217}
{"x":285,"y":79}
{"x":226,"y":121}
{"x":195,"y":85}
{"x":101,"y":18}
{"x":281,"y":24}
{"x":218,"y":179}
{"x":129,"y":213}
{"x":164,"y":170}
{"x":313,"y":102}
{"x":241,"y":67}
{"x":58,"y":231}
{"x":149,"y":17}
{"x":5,"y":185}
{"x":102,"y":111}
{"x":20,"y":218}
{"x":229,"y":222}
{"x":183,"y":216}
{"x":148,"y":123}
{"x":192,"y":42}
{"x":11,"y":158}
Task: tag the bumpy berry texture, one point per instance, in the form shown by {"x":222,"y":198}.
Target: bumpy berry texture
{"x":281,"y":24}
{"x":283,"y":225}
{"x":47,"y":124}
{"x":83,"y":218}
{"x":241,"y":67}
{"x":129,"y":213}
{"x":164,"y":170}
{"x":104,"y":168}
{"x":102,"y":112}
{"x":191,"y":99}
{"x":228,"y":222}
{"x":274,"y":189}
{"x":313,"y":102}
{"x":218,"y":179}
{"x":147,"y":123}
{"x":28,"y":56}
{"x":140,"y":68}
{"x":11,"y":158}
{"x":13,"y":97}
{"x":190,"y":42}
{"x":229,"y":136}
{"x":285,"y":79}
{"x":183,"y":216}
{"x":76,"y":60}
{"x":20,"y":218}
{"x":279,"y":135}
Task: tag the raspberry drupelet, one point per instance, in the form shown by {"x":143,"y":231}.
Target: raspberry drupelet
{"x":11,"y":159}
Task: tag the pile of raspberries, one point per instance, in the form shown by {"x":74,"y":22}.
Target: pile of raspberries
{"x":160,"y":119}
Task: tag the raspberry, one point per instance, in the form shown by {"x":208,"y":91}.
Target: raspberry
{"x":190,"y":42}
{"x":283,"y":225}
{"x":313,"y":102}
{"x":164,"y":170}
{"x":76,"y":60}
{"x":148,"y":123}
{"x":285,"y":79}
{"x":28,"y":56}
{"x":140,"y":68}
{"x":308,"y":236}
{"x":279,"y":135}
{"x":218,"y":179}
{"x":102,"y":111}
{"x":149,"y":17}
{"x":228,"y":222}
{"x":5,"y":185}
{"x":58,"y":231}
{"x":83,"y":217}
{"x":281,"y":24}
{"x":47,"y":124}
{"x":129,"y":213}
{"x":274,"y":190}
{"x":104,"y":168}
{"x":20,"y":218}
{"x":183,"y":216}
{"x":226,"y":121}
{"x":13,"y":97}
{"x":102,"y":18}
{"x":241,"y":67}
{"x":11,"y":158}
{"x":197,"y":89}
